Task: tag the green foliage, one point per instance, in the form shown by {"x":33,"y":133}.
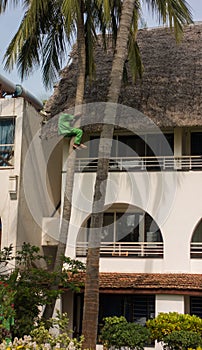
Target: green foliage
{"x":166,"y":323}
{"x":117,"y":332}
{"x":42,"y":338}
{"x":58,"y":333}
{"x":27,"y":286}
{"x":182,"y":340}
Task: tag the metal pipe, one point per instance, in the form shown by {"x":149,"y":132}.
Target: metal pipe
{"x":17,"y":90}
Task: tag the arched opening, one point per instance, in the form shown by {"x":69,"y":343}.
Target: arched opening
{"x":196,"y":242}
{"x":127,"y":231}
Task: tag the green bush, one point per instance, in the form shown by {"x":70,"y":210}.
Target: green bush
{"x":166,"y":323}
{"x":182,"y":340}
{"x":41,"y":338}
{"x":118,"y":333}
{"x":26,"y":288}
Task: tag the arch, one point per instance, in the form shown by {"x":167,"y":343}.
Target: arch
{"x":127,"y":231}
{"x":196,"y":241}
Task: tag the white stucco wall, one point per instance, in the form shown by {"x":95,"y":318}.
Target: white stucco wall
{"x":9,"y":205}
{"x":169,"y":303}
{"x":22,"y":214}
{"x":173,"y":199}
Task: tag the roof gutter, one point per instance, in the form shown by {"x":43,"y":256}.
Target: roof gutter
{"x":17,"y":90}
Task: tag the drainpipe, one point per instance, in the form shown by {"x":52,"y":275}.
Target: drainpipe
{"x":17,"y":90}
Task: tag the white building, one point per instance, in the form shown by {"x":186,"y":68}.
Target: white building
{"x":151,"y":249}
{"x":21,"y":160}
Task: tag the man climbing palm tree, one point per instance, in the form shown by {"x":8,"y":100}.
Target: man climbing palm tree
{"x":66,"y":129}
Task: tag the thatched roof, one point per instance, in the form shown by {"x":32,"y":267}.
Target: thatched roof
{"x":170,"y":92}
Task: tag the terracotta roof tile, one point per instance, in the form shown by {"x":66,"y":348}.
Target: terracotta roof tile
{"x":155,"y":281}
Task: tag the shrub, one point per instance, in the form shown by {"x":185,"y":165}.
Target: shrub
{"x":119,"y":333}
{"x":42,"y":339}
{"x":166,"y":323}
{"x":24,"y":289}
{"x":182,"y":340}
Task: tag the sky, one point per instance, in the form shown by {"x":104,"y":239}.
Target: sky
{"x":9,"y":23}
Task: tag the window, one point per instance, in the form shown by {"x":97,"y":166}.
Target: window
{"x":134,"y":307}
{"x":131,"y":232}
{"x":196,"y":143}
{"x":137,"y":146}
{"x":7,"y":130}
{"x":129,"y":227}
{"x":196,"y":306}
{"x":196,"y":242}
{"x":131,"y":146}
{"x":160,"y":145}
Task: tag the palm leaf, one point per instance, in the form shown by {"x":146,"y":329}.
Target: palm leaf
{"x":5,"y":3}
{"x":175,"y":13}
{"x":40,"y":21}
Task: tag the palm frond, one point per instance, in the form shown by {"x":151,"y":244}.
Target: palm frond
{"x":106,"y":8}
{"x":50,"y":64}
{"x":41,"y":20}
{"x":179,"y":15}
{"x":134,"y":56}
{"x":175,"y":13}
{"x":54,"y":47}
{"x":134,"y":59}
{"x":28,"y":58}
{"x":71,"y":11}
{"x":24,"y":34}
{"x":5,"y":3}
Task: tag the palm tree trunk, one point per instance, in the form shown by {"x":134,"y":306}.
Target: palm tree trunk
{"x":66,"y":210}
{"x":91,"y":295}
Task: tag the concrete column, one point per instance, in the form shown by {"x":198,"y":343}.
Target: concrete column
{"x":169,"y":303}
{"x":178,"y":142}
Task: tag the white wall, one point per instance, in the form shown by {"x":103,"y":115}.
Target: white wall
{"x":169,"y":303}
{"x":34,"y":201}
{"x":22,"y":214}
{"x":173,"y":199}
{"x":8,"y":204}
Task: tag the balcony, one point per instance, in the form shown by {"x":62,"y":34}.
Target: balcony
{"x":170,"y":163}
{"x":124,"y":249}
{"x":196,"y":250}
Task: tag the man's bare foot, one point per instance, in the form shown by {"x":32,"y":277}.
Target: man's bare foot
{"x":83,"y":146}
{"x":76,"y":146}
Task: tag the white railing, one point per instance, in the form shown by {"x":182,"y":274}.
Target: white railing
{"x":196,"y":250}
{"x":143,"y":163}
{"x":125,"y":249}
{"x":6,"y":155}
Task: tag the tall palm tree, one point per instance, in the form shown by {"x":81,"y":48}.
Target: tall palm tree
{"x":178,"y":14}
{"x":98,"y":12}
{"x":45,"y":30}
{"x":66,"y":210}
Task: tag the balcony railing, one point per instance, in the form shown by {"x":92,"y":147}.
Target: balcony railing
{"x":124,"y":249}
{"x":6,"y":155}
{"x":196,"y":250}
{"x":184,"y":163}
